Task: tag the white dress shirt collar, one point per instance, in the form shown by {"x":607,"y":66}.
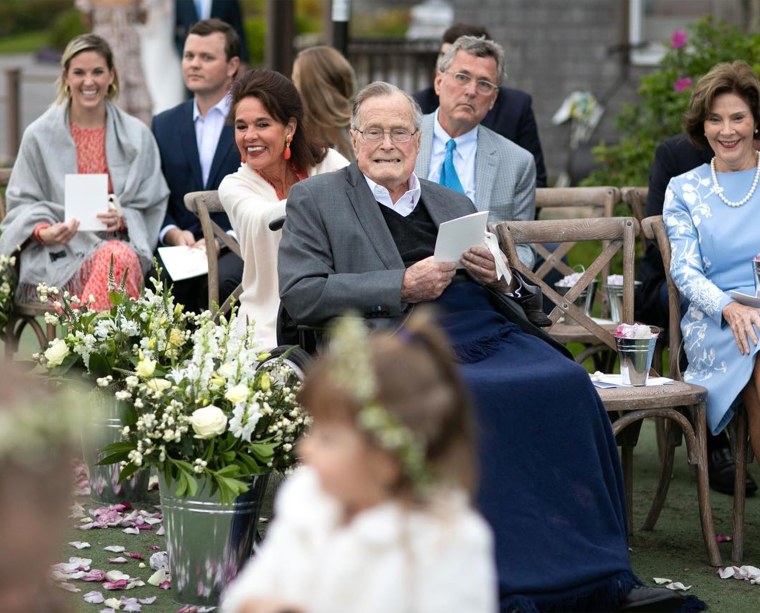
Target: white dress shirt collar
{"x":464,"y":156}
{"x":404,"y":205}
{"x":208,"y":130}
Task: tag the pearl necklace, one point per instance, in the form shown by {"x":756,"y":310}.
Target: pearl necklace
{"x":719,"y":190}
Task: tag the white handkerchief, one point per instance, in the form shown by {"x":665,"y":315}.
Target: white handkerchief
{"x":502,"y":270}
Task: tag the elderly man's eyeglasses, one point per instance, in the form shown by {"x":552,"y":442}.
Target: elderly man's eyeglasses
{"x":482,"y":86}
{"x":398,"y":135}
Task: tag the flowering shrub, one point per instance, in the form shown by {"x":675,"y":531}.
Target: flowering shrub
{"x":136,"y":333}
{"x":664,"y":97}
{"x":224,"y":414}
{"x":7,"y":284}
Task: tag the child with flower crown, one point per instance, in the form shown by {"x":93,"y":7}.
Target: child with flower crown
{"x":378,"y":519}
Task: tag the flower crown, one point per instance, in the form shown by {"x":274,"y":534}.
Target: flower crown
{"x":354,"y":373}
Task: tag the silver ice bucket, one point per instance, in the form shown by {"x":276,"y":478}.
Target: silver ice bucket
{"x":636,"y":357}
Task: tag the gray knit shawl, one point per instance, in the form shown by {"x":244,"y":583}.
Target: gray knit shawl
{"x":36,"y":194}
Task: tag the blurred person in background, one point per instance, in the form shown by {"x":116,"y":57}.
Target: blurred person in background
{"x":117,"y":22}
{"x":327,"y":84}
{"x":188,"y":12}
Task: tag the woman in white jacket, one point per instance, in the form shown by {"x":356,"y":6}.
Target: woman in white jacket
{"x":276,"y":151}
{"x":378,"y":519}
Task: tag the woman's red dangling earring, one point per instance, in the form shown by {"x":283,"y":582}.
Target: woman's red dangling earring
{"x":286,"y":152}
{"x":243,"y":158}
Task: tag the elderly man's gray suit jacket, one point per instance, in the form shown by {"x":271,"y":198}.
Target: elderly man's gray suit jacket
{"x":337,"y":253}
{"x":505,"y":177}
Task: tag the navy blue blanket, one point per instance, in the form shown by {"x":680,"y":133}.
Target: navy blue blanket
{"x":551,"y":485}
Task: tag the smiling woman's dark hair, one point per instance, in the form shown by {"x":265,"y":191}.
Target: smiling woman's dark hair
{"x":724,"y":78}
{"x":279,"y":97}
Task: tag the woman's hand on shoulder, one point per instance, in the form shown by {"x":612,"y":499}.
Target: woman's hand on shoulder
{"x":745,"y":323}
{"x":59,"y":233}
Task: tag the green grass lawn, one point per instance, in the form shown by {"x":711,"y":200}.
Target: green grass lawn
{"x":27,"y":42}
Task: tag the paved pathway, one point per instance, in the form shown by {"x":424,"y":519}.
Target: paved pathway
{"x":37,"y":92}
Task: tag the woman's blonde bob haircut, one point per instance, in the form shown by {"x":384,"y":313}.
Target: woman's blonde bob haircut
{"x":80,"y":44}
{"x":724,"y":78}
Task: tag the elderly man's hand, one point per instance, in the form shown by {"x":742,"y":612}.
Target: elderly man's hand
{"x":479,"y":262}
{"x":425,"y":280}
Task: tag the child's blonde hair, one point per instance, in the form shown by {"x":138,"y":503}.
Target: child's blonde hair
{"x":416,"y":384}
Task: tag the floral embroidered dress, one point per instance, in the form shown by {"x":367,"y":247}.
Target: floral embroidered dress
{"x":91,"y":159}
{"x":712,"y":245}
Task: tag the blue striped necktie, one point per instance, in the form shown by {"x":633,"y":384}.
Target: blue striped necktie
{"x":449,"y":177}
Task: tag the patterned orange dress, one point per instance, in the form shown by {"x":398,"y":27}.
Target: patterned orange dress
{"x":93,"y":278}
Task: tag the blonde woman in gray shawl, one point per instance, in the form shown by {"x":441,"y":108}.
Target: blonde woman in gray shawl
{"x":84,"y":132}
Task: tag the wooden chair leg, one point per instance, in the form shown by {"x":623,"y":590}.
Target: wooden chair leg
{"x":703,"y":485}
{"x":739,"y":428}
{"x":626,"y":453}
{"x":666,"y":476}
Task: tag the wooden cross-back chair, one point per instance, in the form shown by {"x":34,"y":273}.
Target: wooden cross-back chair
{"x":626,"y":406}
{"x":654,"y":230}
{"x":23,"y":314}
{"x":203,"y":204}
{"x":636,"y":199}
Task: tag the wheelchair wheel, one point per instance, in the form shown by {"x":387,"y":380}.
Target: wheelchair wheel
{"x":292,"y":357}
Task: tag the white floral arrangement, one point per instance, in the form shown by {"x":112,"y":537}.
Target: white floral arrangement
{"x":106,"y":346}
{"x":224,"y":414}
{"x":7,"y":285}
{"x":640,"y":331}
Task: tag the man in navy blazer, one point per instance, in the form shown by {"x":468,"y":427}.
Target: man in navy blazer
{"x":186,"y":15}
{"x":197,"y":148}
{"x":511,"y":115}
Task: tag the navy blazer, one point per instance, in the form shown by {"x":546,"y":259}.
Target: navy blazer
{"x":175,"y":134}
{"x":673,"y":157}
{"x":186,"y":16}
{"x":511,"y":116}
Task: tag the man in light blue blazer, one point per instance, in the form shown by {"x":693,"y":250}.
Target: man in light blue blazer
{"x":493,"y":172}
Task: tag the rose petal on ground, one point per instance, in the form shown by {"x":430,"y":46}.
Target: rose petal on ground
{"x":159,"y":577}
{"x":135,"y":555}
{"x":724,"y":538}
{"x":94,"y":597}
{"x":135,"y":582}
{"x":131,"y":531}
{"x":677,"y":586}
{"x":141,"y":527}
{"x":95,"y":575}
{"x":727,"y":573}
{"x":114,"y":603}
{"x":119,"y":560}
{"x":116,"y":575}
{"x":160,"y":531}
{"x":77,"y":511}
{"x":153,"y":520}
{"x":661,"y":580}
{"x":79,"y":544}
{"x":154,"y":548}
{"x":150,"y":600}
{"x":165,"y":585}
{"x":141,"y":565}
{"x":108,"y":610}
{"x":115,"y":548}
{"x":115,"y":585}
{"x":159,"y":560}
{"x":68,"y":587}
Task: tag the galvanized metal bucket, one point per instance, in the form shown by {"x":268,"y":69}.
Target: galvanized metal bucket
{"x":585,"y":299}
{"x":636,"y":358}
{"x":615,"y":299}
{"x":104,"y":480}
{"x":208,"y":541}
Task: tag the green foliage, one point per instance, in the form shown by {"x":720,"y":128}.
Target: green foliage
{"x":18,"y":16}
{"x":65,"y":27}
{"x":664,"y":97}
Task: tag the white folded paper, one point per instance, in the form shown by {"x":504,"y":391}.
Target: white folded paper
{"x":603,"y":380}
{"x":84,"y":197}
{"x":458,"y":235}
{"x":183,"y":262}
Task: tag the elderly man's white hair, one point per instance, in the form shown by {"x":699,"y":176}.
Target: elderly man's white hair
{"x":381,"y":88}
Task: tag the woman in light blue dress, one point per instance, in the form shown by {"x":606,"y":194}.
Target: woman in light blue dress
{"x":712,"y":216}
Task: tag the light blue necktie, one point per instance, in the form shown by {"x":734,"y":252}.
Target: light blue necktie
{"x":449,"y":177}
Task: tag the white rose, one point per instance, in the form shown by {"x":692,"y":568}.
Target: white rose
{"x":145,"y":368}
{"x":208,"y":422}
{"x":56,"y":352}
{"x":237,"y":393}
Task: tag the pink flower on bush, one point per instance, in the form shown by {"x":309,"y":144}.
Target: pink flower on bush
{"x":678,"y":39}
{"x":682,"y":84}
